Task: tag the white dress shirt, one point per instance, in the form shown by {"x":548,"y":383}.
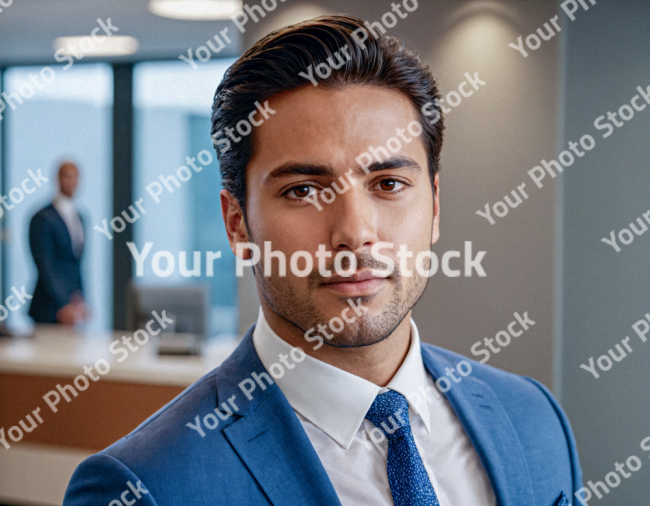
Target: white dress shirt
{"x":65,"y":207}
{"x":332,"y":404}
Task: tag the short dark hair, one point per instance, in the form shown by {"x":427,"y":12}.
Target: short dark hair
{"x":273,"y":65}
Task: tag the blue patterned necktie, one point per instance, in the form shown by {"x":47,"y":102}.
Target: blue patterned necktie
{"x":408,"y":479}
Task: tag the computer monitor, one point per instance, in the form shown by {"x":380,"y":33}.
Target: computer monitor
{"x":188,"y":306}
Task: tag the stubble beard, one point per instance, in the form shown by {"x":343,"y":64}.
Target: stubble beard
{"x":303,"y":313}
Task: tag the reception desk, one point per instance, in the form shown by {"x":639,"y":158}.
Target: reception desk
{"x":67,"y":394}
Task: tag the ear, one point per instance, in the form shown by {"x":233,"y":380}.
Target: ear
{"x":233,"y":218}
{"x":435,"y":234}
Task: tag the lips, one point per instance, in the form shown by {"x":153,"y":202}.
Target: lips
{"x":357,"y":277}
{"x":359,"y":284}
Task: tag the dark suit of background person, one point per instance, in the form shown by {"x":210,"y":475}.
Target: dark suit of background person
{"x":56,"y":240}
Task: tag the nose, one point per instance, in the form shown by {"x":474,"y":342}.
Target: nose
{"x":354,"y":221}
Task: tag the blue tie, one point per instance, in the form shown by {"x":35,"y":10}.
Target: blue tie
{"x":408,"y":479}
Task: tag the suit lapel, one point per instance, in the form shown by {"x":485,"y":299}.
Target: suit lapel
{"x":490,"y":431}
{"x":63,"y":229}
{"x":269,"y":438}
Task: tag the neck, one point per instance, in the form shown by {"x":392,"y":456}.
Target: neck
{"x":376,"y":363}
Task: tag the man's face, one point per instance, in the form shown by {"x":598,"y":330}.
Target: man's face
{"x":311,"y":142}
{"x":68,"y":179}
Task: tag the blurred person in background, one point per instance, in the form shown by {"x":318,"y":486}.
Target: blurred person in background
{"x":56,"y":240}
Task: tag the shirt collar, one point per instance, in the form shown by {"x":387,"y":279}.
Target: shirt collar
{"x":332,"y":399}
{"x":63,"y":201}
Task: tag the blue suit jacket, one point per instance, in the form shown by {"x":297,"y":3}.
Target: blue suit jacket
{"x":59,"y":270}
{"x":261,"y":454}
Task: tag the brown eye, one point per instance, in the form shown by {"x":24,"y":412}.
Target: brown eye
{"x":300,"y":192}
{"x":388,"y":185}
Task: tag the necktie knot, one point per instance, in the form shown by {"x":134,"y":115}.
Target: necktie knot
{"x":389,"y":413}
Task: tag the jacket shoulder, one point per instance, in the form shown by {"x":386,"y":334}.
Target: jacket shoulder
{"x":541,"y":425}
{"x":523,"y":398}
{"x":102,"y":479}
{"x":43,"y":215}
{"x":166,"y":454}
{"x":167,"y":427}
{"x":503,"y":383}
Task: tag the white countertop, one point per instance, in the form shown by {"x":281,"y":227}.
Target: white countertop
{"x":62,"y":352}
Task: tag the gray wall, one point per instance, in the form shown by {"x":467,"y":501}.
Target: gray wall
{"x":604,"y":292}
{"x":492,"y":139}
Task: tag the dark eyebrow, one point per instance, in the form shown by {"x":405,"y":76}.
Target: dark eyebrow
{"x":300,"y":169}
{"x":397,"y":162}
{"x":307,"y":169}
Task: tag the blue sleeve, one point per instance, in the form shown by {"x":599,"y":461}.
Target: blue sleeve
{"x":102,"y":479}
{"x":42,"y":245}
{"x":571,"y":442}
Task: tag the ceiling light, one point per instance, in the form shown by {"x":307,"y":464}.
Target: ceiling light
{"x":116,"y":45}
{"x":195,"y":10}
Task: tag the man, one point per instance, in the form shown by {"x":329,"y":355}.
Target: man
{"x":355,"y":415}
{"x":56,"y":239}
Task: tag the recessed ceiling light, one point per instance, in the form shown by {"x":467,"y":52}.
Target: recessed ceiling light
{"x":116,"y":45}
{"x":195,"y":10}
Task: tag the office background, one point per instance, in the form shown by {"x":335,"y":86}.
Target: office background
{"x":127,"y":120}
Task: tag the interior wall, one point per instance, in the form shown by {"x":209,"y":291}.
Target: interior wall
{"x":605,"y":292}
{"x":492,"y":139}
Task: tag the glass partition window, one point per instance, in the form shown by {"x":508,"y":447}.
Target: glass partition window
{"x":182,"y":231}
{"x":66,"y":118}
